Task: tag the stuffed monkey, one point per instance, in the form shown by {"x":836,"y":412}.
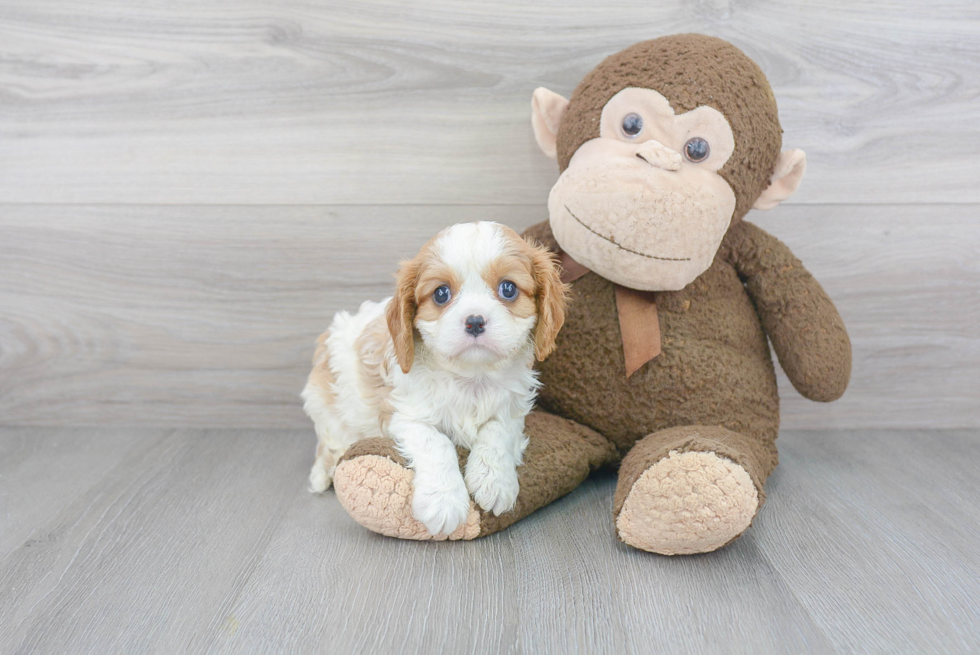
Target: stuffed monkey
{"x":663,"y":366}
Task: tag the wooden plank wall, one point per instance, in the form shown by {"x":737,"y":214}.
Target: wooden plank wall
{"x":189,"y":190}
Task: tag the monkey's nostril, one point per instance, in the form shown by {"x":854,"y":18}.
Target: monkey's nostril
{"x":475,"y":325}
{"x":662,"y":159}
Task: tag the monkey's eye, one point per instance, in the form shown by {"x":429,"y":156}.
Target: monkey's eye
{"x":696,"y":149}
{"x":442,"y":295}
{"x":632,"y":124}
{"x":507,"y":290}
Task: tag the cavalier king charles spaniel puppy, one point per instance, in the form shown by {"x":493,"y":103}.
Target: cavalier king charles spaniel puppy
{"x":447,"y":361}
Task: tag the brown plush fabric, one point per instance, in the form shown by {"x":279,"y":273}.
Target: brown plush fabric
{"x":689,"y":70}
{"x":806,"y":331}
{"x":715,"y":367}
{"x":559,"y":456}
{"x":373,"y":446}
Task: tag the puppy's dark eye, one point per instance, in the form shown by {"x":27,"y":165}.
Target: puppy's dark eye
{"x":696,"y":149}
{"x":632,"y":124}
{"x":507,"y":290}
{"x":442,"y":295}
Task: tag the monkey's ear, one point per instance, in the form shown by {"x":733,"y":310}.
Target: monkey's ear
{"x":547,"y":110}
{"x":786,"y":178}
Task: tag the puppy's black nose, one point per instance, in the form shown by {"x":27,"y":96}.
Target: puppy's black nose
{"x":475,"y":325}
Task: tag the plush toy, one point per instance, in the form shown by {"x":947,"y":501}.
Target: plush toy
{"x":663,"y":366}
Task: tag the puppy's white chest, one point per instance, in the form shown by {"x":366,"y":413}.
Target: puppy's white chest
{"x":473,"y":405}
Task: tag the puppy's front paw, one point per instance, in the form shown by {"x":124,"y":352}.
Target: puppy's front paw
{"x":494,"y":488}
{"x":440,"y":505}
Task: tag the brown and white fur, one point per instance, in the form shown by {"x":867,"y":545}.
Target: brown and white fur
{"x":410,"y":369}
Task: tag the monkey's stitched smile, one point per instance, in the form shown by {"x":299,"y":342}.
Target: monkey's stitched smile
{"x":641,"y":254}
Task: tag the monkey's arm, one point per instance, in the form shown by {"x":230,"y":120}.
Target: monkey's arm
{"x":806,"y":331}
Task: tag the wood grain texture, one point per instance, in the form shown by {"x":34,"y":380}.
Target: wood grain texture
{"x":897,"y":514}
{"x":148,"y":559}
{"x":207,"y":541}
{"x":69,"y":465}
{"x":206,"y":316}
{"x":377,"y":101}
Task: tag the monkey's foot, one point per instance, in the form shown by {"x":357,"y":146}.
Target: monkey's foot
{"x":375,"y":487}
{"x":686,"y":503}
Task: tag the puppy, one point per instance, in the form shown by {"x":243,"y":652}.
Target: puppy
{"x":447,"y":361}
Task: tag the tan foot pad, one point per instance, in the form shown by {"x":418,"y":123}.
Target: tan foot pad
{"x":688,"y":503}
{"x":377,"y":493}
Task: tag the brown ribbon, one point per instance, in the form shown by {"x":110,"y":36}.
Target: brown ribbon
{"x":639,"y":324}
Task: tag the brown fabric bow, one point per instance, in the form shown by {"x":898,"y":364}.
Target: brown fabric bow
{"x":638,"y":320}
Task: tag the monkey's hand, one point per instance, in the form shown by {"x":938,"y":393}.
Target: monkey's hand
{"x":805,"y":328}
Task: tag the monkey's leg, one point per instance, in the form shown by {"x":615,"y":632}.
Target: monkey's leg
{"x":375,"y":487}
{"x":691,"y":489}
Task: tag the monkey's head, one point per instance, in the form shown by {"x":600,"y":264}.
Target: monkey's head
{"x":662,"y":147}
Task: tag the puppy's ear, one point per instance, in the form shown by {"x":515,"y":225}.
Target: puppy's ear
{"x":552,"y":296}
{"x":401,"y":313}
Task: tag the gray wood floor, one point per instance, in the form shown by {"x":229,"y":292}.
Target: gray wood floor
{"x":126,"y":540}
